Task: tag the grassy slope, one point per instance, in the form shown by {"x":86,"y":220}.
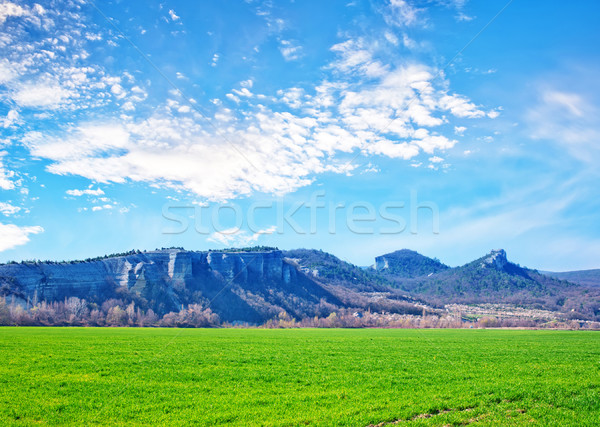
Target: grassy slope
{"x":291,"y":377}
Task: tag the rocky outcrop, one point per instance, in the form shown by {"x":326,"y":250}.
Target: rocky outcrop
{"x":496,"y":259}
{"x":243,"y":282}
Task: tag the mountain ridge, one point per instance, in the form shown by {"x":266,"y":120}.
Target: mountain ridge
{"x":257,"y":284}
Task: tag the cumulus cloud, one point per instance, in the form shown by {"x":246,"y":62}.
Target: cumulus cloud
{"x":40,"y":95}
{"x":12,"y":235}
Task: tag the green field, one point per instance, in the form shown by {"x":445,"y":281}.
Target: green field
{"x":298,"y":377}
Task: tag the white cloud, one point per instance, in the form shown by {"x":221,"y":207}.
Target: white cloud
{"x":41,"y":95}
{"x":88,"y":192}
{"x":102,"y":207}
{"x":243,"y":92}
{"x":7,"y":73}
{"x":12,"y":235}
{"x":391,"y":37}
{"x":403,"y":14}
{"x":436,"y":159}
{"x":408,"y":42}
{"x":462,"y":17}
{"x":45,"y":67}
{"x":569,"y":119}
{"x":6,"y":182}
{"x":459,"y":130}
{"x":356,"y":56}
{"x":12,"y":117}
{"x":234,"y":237}
{"x":274,"y":144}
{"x":461,"y":106}
{"x":233,"y":98}
{"x":7,"y":209}
{"x":571,"y":102}
{"x":290,"y":50}
{"x":8,"y":9}
{"x":173,"y":15}
{"x":264,"y":148}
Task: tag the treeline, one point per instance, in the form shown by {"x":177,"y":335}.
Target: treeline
{"x":114,"y":312}
{"x":137,"y":252}
{"x":98,"y":258}
{"x":247,"y":249}
{"x":77,"y":312}
{"x":350,"y":319}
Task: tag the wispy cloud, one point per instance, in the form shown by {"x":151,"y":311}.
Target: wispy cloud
{"x":12,"y":235}
{"x":235,"y":237}
{"x":6,"y":176}
{"x":88,"y":192}
{"x":569,"y":119}
{"x":290,"y":50}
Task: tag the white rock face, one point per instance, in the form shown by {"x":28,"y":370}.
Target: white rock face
{"x":169,"y":268}
{"x":496,"y":259}
{"x":381,"y":263}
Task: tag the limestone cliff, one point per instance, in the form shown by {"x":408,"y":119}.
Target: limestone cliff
{"x":250,"y":286}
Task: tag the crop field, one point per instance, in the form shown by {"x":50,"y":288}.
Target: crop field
{"x":298,"y":377}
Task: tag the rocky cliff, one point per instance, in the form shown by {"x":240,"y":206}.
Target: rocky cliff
{"x":54,"y":281}
{"x":164,"y":280}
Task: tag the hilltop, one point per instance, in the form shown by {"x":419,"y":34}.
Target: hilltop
{"x":407,"y":264}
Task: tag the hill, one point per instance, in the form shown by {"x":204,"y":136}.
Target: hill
{"x":407,"y":264}
{"x":581,"y":277}
{"x":493,"y":279}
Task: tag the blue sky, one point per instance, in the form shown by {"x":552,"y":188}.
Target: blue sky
{"x":215,"y":124}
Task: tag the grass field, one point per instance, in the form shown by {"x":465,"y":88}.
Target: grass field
{"x":296,"y":377}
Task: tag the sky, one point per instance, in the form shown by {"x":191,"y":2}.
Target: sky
{"x":359,"y":127}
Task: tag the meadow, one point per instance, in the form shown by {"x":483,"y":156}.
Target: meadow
{"x":122,"y":376}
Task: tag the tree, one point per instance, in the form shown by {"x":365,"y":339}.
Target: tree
{"x":116,"y":316}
